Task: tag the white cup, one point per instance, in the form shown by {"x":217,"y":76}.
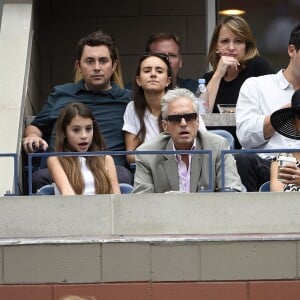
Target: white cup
{"x":285,"y":160}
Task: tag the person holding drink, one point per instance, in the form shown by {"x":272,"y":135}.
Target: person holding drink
{"x":285,"y":169}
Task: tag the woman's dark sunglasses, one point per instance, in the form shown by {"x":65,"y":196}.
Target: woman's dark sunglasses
{"x":177,"y":118}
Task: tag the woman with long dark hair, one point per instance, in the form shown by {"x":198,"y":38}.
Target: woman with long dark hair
{"x":142,"y":116}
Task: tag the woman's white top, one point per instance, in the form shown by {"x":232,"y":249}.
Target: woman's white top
{"x":88,"y":178}
{"x":132,"y":122}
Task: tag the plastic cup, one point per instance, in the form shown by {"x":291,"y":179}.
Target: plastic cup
{"x":285,"y":160}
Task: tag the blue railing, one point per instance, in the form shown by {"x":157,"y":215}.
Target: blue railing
{"x":160,"y":152}
{"x":112,"y":153}
{"x":15,"y":158}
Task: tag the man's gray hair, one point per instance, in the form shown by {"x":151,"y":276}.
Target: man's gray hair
{"x":172,"y":95}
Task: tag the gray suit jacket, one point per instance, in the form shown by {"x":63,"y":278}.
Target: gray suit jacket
{"x":159,"y":173}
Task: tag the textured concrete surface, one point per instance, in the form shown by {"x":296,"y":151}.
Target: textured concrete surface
{"x":149,"y":214}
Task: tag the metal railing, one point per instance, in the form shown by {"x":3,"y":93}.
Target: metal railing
{"x":160,"y":152}
{"x":15,"y":158}
{"x":113,"y":153}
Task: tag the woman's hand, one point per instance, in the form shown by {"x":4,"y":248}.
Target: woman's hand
{"x":289,"y":174}
{"x":227,"y":63}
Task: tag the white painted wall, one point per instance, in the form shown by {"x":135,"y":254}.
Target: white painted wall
{"x":15,"y":39}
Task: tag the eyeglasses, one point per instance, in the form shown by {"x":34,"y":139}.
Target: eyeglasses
{"x":177,"y":118}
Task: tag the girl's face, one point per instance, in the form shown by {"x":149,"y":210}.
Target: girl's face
{"x":230,"y":44}
{"x":153,"y":75}
{"x":79,"y":133}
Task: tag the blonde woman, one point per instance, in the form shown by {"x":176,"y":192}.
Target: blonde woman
{"x":234,"y":57}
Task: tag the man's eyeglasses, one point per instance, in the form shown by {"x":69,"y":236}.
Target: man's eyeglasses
{"x":177,"y":118}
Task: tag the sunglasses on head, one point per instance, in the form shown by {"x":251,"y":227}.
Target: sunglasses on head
{"x":177,"y":118}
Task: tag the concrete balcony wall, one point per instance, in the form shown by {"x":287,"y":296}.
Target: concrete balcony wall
{"x":152,"y":237}
{"x":149,"y":214}
{"x":209,"y":246}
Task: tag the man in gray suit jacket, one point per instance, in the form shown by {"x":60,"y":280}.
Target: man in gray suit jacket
{"x":183,"y":172}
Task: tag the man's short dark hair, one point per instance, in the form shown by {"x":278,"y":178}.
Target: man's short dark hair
{"x":97,"y":38}
{"x":295,"y":37}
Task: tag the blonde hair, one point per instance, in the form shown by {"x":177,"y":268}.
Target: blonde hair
{"x":240,"y":28}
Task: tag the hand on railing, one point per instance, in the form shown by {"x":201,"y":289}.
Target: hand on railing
{"x":34,"y":143}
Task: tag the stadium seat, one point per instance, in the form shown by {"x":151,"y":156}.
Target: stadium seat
{"x":265,"y":187}
{"x":125,"y":188}
{"x":49,"y":189}
{"x":46,"y":190}
{"x":226,"y":134}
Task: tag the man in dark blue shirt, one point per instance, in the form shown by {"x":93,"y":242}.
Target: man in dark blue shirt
{"x":96,"y":61}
